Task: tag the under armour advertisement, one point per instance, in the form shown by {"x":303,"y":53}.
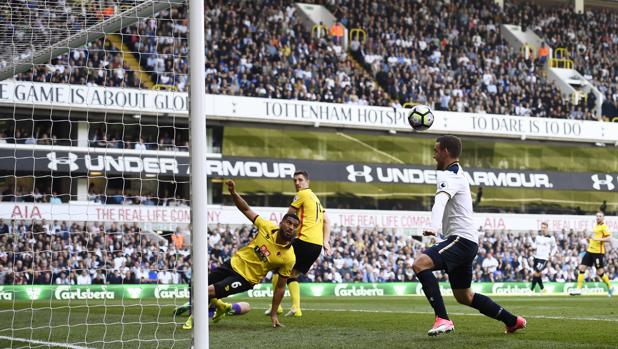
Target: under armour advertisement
{"x":138,"y":163}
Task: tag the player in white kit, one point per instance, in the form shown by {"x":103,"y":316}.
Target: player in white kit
{"x":452,"y":215}
{"x":544,"y":246}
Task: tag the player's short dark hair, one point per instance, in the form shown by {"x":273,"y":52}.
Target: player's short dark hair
{"x":301,"y":172}
{"x":451,"y":143}
{"x":291,"y":215}
{"x":545,"y":223}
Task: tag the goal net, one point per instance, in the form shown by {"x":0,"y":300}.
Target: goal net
{"x":94,"y":174}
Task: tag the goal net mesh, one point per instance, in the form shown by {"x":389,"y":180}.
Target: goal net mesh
{"x":94,"y":174}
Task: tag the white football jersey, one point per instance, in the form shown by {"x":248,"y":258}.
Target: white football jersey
{"x":545,"y":246}
{"x":458,"y":215}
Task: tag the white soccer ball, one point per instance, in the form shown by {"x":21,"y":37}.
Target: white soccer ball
{"x":420,"y":117}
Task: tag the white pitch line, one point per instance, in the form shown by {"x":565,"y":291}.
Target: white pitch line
{"x":459,"y":314}
{"x":34,"y":341}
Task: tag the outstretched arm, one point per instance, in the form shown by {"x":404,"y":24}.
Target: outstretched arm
{"x":277,"y":297}
{"x":240,"y":203}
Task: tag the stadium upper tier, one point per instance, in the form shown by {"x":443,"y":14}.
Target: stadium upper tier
{"x":451,"y":57}
{"x":590,"y":40}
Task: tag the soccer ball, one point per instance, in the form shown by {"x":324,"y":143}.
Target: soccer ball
{"x":420,"y":117}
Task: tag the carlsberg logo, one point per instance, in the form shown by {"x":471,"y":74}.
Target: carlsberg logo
{"x":5,"y":296}
{"x":343,"y":290}
{"x":164,"y":292}
{"x":586,"y":289}
{"x":65,"y":292}
{"x":500,"y":288}
{"x":258,"y":292}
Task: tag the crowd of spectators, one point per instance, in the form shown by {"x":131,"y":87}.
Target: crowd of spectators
{"x":256,"y":48}
{"x":29,"y":26}
{"x":450,"y":55}
{"x":42,"y":252}
{"x":125,"y":136}
{"x":384,"y":255}
{"x":62,"y":253}
{"x":22,"y":135}
{"x":122,"y":139}
{"x":590,"y":40}
{"x":37,"y":194}
{"x":130,"y":197}
{"x":108,"y":196}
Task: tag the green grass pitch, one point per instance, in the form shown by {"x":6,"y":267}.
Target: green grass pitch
{"x":380,"y":322}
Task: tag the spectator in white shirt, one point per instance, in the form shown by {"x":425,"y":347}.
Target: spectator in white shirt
{"x":490,"y":265}
{"x":164,"y":277}
{"x":84,"y":278}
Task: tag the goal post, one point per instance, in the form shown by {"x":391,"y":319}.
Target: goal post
{"x":199,"y":216}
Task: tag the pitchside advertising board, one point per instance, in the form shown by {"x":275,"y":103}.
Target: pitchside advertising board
{"x":405,"y":222}
{"x":181,"y":292}
{"x":136,"y":101}
{"x":74,"y":161}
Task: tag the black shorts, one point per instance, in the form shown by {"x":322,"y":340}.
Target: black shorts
{"x":454,"y":255}
{"x":227,"y":281}
{"x":539,"y":264}
{"x":595,"y":259}
{"x":306,"y":254}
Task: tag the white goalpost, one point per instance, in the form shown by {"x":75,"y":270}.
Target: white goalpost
{"x":199,"y":217}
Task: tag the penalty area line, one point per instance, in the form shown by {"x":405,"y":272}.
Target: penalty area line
{"x":50,"y":344}
{"x":576,"y":318}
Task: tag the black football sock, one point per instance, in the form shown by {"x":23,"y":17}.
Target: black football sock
{"x":540,"y":281}
{"x":432,"y":292}
{"x":533,"y":283}
{"x":489,"y":308}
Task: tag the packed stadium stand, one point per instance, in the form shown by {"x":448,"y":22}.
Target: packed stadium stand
{"x":84,"y":253}
{"x":589,"y":38}
{"x":459,"y":63}
{"x":374,"y":254}
{"x":64,"y":253}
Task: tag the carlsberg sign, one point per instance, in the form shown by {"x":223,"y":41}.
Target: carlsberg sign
{"x":99,"y":293}
{"x":347,"y":290}
{"x":66,"y":293}
{"x":169,"y":292}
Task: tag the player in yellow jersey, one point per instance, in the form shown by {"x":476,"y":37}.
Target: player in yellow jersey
{"x":313,"y":235}
{"x":270,"y":250}
{"x":594,"y":255}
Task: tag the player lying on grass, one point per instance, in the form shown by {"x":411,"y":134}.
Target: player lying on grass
{"x":270,"y":250}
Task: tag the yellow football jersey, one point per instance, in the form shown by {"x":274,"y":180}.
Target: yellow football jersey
{"x":311,"y":214}
{"x":263,"y":254}
{"x":600,"y":231}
